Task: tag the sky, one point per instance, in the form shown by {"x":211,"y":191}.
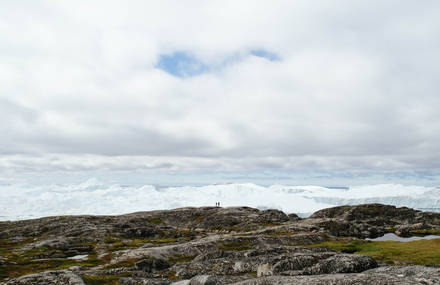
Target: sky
{"x":324,"y":92}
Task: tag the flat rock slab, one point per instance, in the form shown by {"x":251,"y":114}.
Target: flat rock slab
{"x":405,"y":275}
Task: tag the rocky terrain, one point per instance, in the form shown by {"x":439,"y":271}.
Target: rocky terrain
{"x":213,"y":245}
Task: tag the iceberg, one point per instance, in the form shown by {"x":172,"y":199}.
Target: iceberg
{"x":21,"y":201}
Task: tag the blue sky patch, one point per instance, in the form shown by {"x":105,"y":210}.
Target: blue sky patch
{"x":181,"y":64}
{"x":265,"y":54}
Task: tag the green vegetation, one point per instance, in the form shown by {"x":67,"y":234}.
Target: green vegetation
{"x":235,"y":245}
{"x":43,"y":252}
{"x":217,"y":228}
{"x":3,"y":272}
{"x":19,"y":266}
{"x":420,"y":252}
{"x":155,"y":221}
{"x":278,"y":234}
{"x":118,"y":244}
{"x":390,"y":229}
{"x":123,"y":244}
{"x":44,"y":258}
{"x":103,"y":279}
{"x":236,"y":228}
{"x":225,"y":228}
{"x":34,"y":260}
{"x":425,"y":232}
{"x":7,"y":246}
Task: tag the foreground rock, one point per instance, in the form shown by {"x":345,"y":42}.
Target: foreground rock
{"x":383,"y":275}
{"x":373,"y":220}
{"x":49,"y":277}
{"x":207,"y":245}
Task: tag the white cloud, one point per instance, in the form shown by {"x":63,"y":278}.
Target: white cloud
{"x":355,"y":85}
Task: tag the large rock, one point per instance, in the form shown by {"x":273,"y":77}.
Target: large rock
{"x":143,"y":224}
{"x":408,"y":275}
{"x":373,"y":220}
{"x":274,"y":261}
{"x":61,"y":277}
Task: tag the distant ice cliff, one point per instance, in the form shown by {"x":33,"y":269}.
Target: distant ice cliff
{"x":20,"y":201}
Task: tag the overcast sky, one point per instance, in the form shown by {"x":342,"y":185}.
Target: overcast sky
{"x":208,"y":86}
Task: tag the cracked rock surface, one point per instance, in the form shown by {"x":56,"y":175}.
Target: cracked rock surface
{"x":208,"y":245}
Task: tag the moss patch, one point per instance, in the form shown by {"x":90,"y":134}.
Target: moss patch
{"x":425,"y":232}
{"x":236,"y":228}
{"x":118,"y":244}
{"x":43,"y":252}
{"x":155,"y":221}
{"x":7,"y":246}
{"x":3,"y":272}
{"x":390,"y":229}
{"x":420,"y":252}
{"x":103,"y":279}
{"x":278,"y":234}
{"x":17,"y":265}
{"x":235,"y":245}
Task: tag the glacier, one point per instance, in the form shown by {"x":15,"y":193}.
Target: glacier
{"x":23,"y":201}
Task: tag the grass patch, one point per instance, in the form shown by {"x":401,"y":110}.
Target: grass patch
{"x":278,"y":234}
{"x":419,"y":252}
{"x":155,"y":221}
{"x":43,"y":252}
{"x":217,"y":228}
{"x":225,"y":228}
{"x":235,"y":228}
{"x":425,"y":232}
{"x":390,"y":229}
{"x":103,"y":279}
{"x":118,"y":244}
{"x":123,"y":244}
{"x":7,"y":246}
{"x":3,"y":272}
{"x":17,"y":265}
{"x":235,"y":245}
{"x":24,"y":268}
{"x":166,"y":240}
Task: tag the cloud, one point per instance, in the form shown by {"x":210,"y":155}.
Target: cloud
{"x":228,"y":85}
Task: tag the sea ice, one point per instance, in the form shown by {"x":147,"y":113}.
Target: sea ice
{"x":20,"y":201}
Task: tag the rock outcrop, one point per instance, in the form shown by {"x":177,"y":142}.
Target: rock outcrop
{"x":208,"y":245}
{"x":373,"y":220}
{"x":384,"y":275}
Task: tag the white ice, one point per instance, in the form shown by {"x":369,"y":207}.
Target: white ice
{"x":20,"y":201}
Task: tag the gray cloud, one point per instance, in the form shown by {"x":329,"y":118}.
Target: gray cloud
{"x":353,"y":86}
